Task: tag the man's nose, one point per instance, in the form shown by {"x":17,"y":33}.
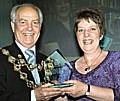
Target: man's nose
{"x":30,"y":27}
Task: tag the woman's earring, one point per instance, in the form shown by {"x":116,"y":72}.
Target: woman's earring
{"x":101,"y":37}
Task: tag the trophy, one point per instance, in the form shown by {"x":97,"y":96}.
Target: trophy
{"x":48,"y":65}
{"x":57,"y":69}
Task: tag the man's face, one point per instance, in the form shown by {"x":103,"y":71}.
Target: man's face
{"x":26,"y":27}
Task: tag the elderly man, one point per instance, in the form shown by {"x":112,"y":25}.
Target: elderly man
{"x":19,"y":82}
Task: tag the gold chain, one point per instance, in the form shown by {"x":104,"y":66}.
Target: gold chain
{"x":20,"y":63}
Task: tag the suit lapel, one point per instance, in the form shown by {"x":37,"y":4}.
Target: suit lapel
{"x":15,"y":51}
{"x":39,"y":58}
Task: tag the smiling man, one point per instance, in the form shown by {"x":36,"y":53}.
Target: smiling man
{"x":18,"y":82}
{"x":26,"y":26}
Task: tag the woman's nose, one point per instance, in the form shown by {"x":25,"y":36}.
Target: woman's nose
{"x":86,"y":32}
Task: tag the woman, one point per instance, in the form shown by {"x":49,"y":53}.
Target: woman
{"x":96,"y":75}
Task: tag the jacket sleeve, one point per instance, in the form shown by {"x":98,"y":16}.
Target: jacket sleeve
{"x":11,"y":88}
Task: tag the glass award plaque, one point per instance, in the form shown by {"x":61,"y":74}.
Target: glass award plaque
{"x":57,"y":69}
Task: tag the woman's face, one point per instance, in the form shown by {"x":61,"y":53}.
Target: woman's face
{"x":88,"y":35}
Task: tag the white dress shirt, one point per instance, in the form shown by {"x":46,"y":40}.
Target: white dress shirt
{"x":22,"y":48}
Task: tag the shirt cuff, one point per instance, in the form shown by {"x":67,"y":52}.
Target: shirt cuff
{"x":33,"y":98}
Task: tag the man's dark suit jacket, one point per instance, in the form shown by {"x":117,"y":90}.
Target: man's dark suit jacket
{"x":12,"y":88}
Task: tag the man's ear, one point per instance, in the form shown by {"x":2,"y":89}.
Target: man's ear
{"x":13,"y":26}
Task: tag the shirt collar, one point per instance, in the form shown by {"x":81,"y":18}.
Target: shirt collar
{"x":22,"y":48}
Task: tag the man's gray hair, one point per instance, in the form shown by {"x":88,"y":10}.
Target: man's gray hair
{"x":15,"y":8}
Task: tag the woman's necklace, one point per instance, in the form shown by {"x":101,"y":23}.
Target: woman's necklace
{"x":88,"y":68}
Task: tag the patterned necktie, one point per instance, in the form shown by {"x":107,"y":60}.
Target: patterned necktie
{"x":31,"y":56}
{"x":31,"y":60}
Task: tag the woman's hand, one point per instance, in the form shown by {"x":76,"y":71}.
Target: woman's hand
{"x":96,"y":93}
{"x":45,"y":93}
{"x":78,"y":88}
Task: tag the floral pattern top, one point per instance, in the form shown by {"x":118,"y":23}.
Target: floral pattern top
{"x":107,"y":74}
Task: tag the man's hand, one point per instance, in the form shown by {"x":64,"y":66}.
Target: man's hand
{"x":45,"y":93}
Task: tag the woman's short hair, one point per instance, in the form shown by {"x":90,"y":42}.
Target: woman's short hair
{"x":89,"y":13}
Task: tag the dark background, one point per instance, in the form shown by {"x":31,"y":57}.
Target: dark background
{"x":59,"y":15}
